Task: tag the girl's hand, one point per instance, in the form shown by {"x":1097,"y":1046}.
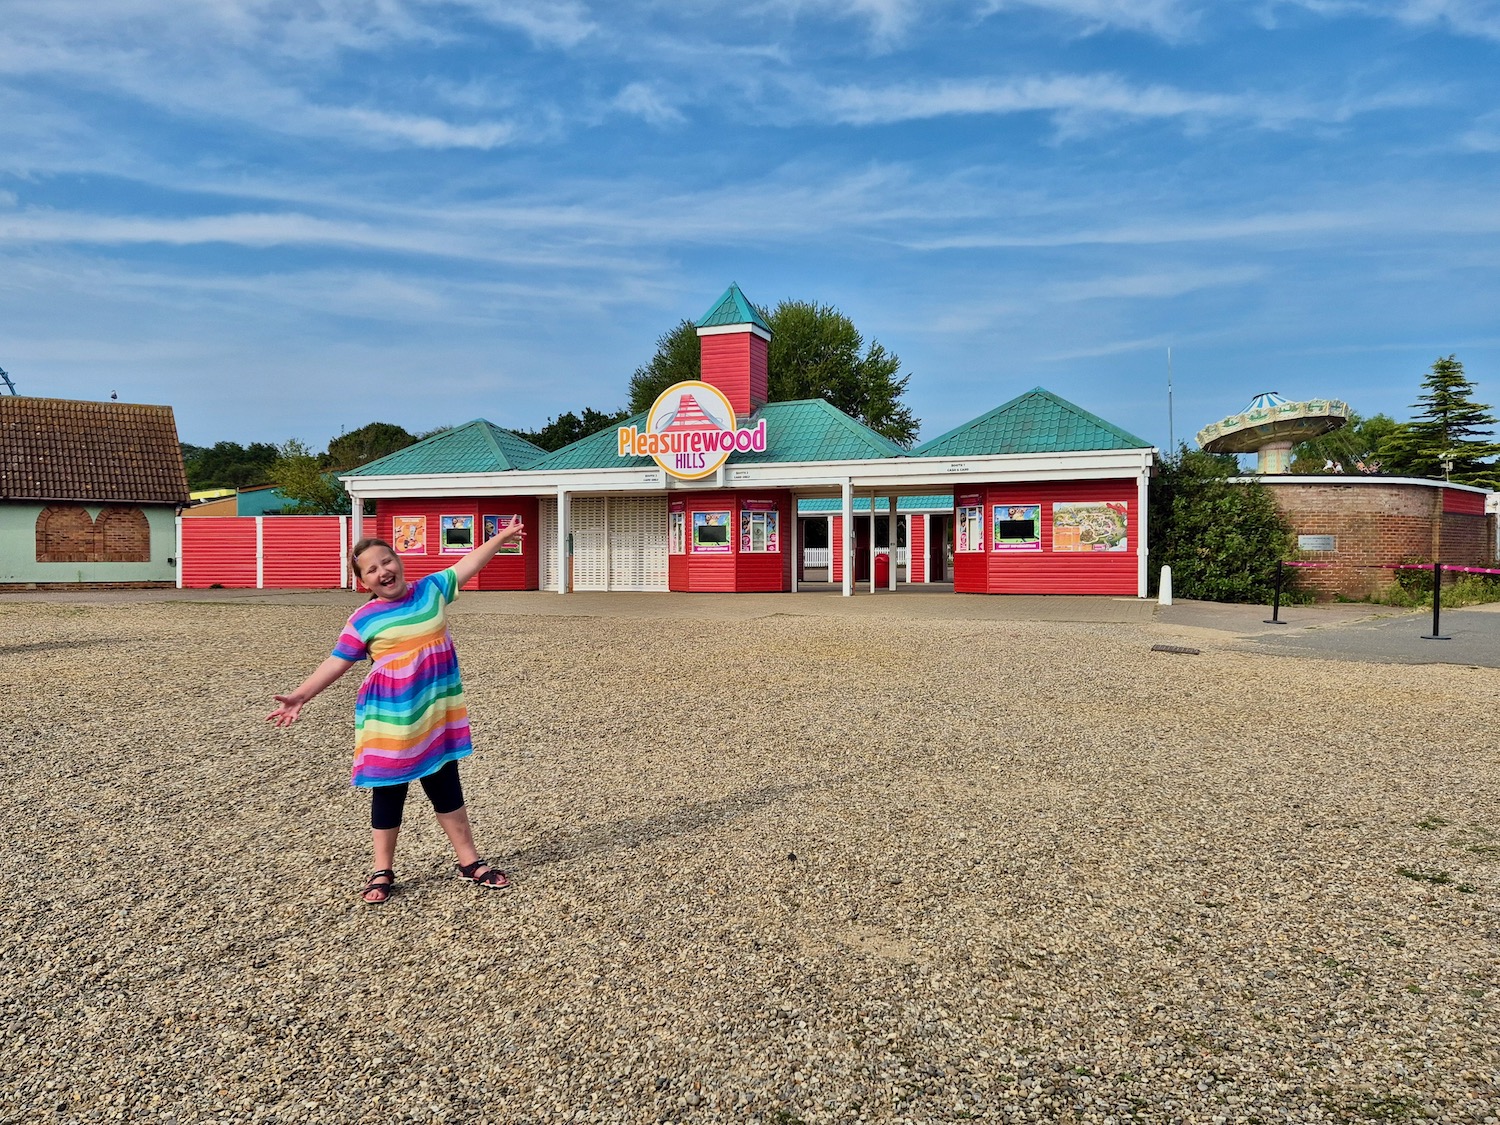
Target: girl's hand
{"x":514,"y":531}
{"x":286,"y":714}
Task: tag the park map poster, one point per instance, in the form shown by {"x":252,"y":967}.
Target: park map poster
{"x":1093,"y":526}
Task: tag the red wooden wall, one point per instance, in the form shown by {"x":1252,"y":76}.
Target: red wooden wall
{"x":302,"y":552}
{"x":916,"y":548}
{"x":503,"y":572}
{"x":218,"y":552}
{"x":733,"y":571}
{"x":735,"y":362}
{"x":1047,"y":571}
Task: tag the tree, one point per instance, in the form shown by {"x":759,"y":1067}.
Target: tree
{"x":366,"y":444}
{"x":1443,"y":440}
{"x":678,"y":359}
{"x":227,"y":464}
{"x":310,"y":489}
{"x":1358,"y":446}
{"x":816,"y":352}
{"x":1221,"y":538}
{"x":567,"y":428}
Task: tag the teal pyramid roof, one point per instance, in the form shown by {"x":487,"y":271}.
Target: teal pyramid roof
{"x":1035,"y":422}
{"x":804,"y":430}
{"x":599,"y":450}
{"x":474,"y":447}
{"x":732,"y":308}
{"x":813,"y":430}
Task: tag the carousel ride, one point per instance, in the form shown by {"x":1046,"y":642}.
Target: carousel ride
{"x":1270,"y":426}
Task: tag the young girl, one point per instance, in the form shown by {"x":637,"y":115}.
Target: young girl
{"x":410,"y":722}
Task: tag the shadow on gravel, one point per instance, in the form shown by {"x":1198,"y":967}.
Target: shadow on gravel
{"x":59,"y":646}
{"x":651,"y":827}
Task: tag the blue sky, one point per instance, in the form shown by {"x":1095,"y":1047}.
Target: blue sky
{"x":287,"y":218}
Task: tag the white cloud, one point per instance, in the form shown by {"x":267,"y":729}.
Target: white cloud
{"x":1172,"y":20}
{"x":1473,"y":18}
{"x":560,"y":23}
{"x":639,"y":99}
{"x":1074,"y":100}
{"x":1152,"y":285}
{"x":888,"y":20}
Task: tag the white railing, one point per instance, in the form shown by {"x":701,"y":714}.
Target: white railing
{"x":823,"y":556}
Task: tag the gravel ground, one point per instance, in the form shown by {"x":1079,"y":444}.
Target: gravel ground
{"x":810,"y":869}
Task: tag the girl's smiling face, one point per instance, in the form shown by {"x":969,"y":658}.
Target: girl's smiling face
{"x":381,"y":572}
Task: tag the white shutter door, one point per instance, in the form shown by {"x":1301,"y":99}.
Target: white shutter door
{"x":590,"y":543}
{"x":638,"y":543}
{"x":546,"y":542}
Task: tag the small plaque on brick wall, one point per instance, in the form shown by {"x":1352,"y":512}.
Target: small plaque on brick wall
{"x":1317,"y":543}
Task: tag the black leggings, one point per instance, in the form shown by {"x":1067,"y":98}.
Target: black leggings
{"x":442,"y":789}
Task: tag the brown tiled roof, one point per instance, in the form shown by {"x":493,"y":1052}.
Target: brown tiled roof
{"x":96,"y":452}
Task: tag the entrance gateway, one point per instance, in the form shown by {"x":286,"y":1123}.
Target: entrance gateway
{"x":713,"y":489}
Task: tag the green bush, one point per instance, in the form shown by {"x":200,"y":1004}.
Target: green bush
{"x":1414,"y":588}
{"x":1221,"y":537}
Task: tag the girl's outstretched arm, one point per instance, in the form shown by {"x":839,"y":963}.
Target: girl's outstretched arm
{"x":290,"y":706}
{"x":472,"y":563}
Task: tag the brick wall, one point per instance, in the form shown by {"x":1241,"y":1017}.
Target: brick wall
{"x":1376,"y":524}
{"x":65,"y":533}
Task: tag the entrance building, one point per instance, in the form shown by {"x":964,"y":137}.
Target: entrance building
{"x":1035,"y":496}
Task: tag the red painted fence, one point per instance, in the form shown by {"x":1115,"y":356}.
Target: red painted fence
{"x":263,"y":552}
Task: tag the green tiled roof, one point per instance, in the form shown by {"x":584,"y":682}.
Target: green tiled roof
{"x":474,"y":447}
{"x":862,"y":504}
{"x":1035,"y":422}
{"x":732,"y":308}
{"x":804,"y":430}
{"x":597,"y":451}
{"x":813,"y":430}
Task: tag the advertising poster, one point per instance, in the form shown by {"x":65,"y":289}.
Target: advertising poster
{"x":711,"y":533}
{"x":1092,"y":526}
{"x":458,"y":534}
{"x":409,"y":535}
{"x":1018,"y":527}
{"x":970,"y":528}
{"x":758,"y":532}
{"x":493,"y":526}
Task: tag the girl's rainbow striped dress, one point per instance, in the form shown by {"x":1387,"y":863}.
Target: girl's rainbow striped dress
{"x":409,"y":718}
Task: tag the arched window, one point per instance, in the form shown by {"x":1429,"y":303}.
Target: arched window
{"x":124,"y":535}
{"x":66,"y":533}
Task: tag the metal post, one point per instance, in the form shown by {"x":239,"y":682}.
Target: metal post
{"x":1275,"y":618}
{"x":1437,"y":602}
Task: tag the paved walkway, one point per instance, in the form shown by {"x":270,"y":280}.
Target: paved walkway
{"x":1341,"y":631}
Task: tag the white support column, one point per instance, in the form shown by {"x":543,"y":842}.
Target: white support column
{"x":260,"y":552}
{"x":846,"y":541}
{"x":356,"y":522}
{"x":562,"y":540}
{"x":1143,"y":495}
{"x":832,"y":547}
{"x":796,"y":545}
{"x":344,"y":576}
{"x":890,"y":524}
{"x":872,"y":542}
{"x":179,"y":552}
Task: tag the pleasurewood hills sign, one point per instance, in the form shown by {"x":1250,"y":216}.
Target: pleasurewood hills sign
{"x":690,"y":431}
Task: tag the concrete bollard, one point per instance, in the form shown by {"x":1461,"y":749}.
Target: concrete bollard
{"x":1164,"y":589}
